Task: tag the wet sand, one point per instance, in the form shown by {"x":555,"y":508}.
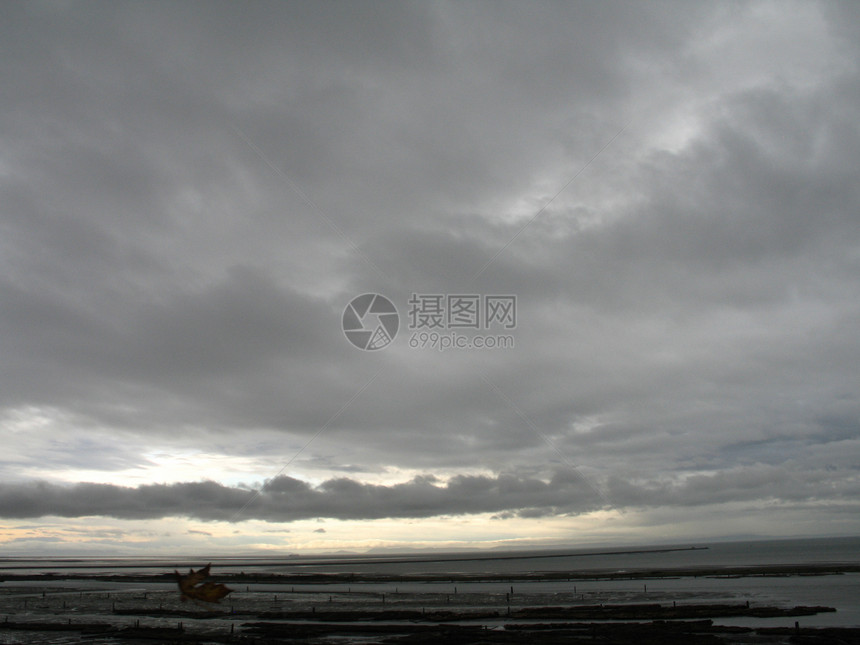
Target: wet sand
{"x":529,"y":607}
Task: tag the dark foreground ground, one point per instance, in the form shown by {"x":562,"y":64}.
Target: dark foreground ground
{"x":280,"y":609}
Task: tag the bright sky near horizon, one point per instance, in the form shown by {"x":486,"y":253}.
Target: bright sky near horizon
{"x":653,"y":208}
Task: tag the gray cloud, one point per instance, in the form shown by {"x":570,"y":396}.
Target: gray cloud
{"x":191,"y":195}
{"x":286,"y":499}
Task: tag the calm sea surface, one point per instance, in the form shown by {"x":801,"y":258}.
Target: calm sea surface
{"x":839,"y":591}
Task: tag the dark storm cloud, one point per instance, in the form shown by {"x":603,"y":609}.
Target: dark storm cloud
{"x":289,"y":499}
{"x":285,"y":499}
{"x":193,"y":192}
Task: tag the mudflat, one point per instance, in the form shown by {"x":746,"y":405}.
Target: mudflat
{"x":373,"y":607}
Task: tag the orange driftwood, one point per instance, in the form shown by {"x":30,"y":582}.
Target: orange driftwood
{"x":194,"y":586}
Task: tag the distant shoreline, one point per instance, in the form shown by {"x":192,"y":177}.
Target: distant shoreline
{"x":334,"y":560}
{"x":644,"y":573}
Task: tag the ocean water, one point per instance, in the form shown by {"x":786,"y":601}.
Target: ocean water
{"x":841,"y":550}
{"x":839,"y":591}
{"x":704,"y":554}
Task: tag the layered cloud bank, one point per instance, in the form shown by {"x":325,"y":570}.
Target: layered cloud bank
{"x":194,"y":192}
{"x":285,"y":499}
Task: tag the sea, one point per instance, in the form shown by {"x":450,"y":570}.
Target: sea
{"x":839,"y":590}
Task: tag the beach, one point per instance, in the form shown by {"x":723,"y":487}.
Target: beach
{"x":460,"y":598}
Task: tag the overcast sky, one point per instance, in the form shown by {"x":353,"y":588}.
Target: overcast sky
{"x":191,"y":194}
